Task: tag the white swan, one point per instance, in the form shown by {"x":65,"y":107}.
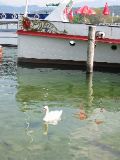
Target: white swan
{"x":52,"y":117}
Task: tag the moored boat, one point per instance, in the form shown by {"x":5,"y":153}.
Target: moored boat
{"x":57,"y":41}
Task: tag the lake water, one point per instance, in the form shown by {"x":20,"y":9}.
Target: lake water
{"x":25,"y":91}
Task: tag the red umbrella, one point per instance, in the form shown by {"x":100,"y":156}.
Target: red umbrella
{"x":106,"y":10}
{"x":85,"y":11}
{"x":70,"y":16}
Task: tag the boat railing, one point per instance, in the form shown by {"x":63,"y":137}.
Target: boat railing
{"x":15,"y":16}
{"x":110,"y":24}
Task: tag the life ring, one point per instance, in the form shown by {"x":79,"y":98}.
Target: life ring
{"x":36,"y":16}
{"x":3,"y":16}
{"x":26,"y":23}
{"x":14,"y":16}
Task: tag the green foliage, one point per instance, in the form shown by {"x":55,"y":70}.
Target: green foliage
{"x":116,"y":19}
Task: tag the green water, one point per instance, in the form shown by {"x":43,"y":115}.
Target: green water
{"x":24,"y":92}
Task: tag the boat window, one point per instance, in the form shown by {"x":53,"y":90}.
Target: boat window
{"x":114,"y":47}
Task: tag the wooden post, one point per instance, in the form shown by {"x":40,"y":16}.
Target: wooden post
{"x":89,"y":79}
{"x":91,"y":47}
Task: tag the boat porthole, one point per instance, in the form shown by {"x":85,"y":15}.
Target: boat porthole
{"x":14,"y":16}
{"x":114,"y":47}
{"x":3,"y":16}
{"x":36,"y":16}
{"x":72,"y":43}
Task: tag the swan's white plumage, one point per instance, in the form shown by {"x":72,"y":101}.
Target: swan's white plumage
{"x":53,"y":116}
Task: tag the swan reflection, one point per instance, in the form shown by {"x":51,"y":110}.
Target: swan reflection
{"x":45,"y":128}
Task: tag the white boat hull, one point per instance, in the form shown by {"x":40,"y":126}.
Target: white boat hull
{"x":56,"y":41}
{"x":38,"y":48}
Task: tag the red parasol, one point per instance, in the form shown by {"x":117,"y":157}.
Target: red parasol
{"x":85,"y":11}
{"x":106,"y":10}
{"x":70,"y":16}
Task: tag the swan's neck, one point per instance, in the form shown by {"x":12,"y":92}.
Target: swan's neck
{"x":47,"y":110}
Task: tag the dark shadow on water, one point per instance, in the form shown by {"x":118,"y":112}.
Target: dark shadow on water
{"x":110,"y":69}
{"x":9,"y":45}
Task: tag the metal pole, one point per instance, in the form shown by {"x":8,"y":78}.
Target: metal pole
{"x":91,"y":47}
{"x":26,"y":9}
